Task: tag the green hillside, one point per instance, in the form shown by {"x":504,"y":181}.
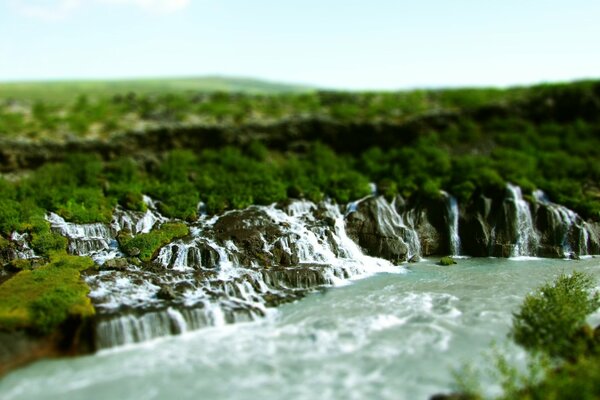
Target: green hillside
{"x":60,"y":91}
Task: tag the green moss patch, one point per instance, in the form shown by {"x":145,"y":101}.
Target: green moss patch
{"x":146,"y":244}
{"x":41,"y":299}
{"x":445,"y":261}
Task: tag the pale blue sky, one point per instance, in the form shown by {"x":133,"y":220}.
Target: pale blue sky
{"x":331,"y":43}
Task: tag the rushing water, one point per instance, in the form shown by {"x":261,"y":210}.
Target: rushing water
{"x":389,"y":336}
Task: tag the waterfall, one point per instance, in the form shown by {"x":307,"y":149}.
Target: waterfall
{"x":392,"y":223}
{"x":526,"y":238}
{"x":199,"y":281}
{"x":135,"y":221}
{"x":452,"y":214}
{"x":95,"y":240}
{"x":24,"y":250}
{"x":568,"y":227}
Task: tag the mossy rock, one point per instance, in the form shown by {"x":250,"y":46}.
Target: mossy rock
{"x":41,"y":299}
{"x":146,"y":245}
{"x":21,"y":265}
{"x":445,"y":261}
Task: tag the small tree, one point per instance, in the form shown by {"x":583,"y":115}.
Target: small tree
{"x":553,"y":320}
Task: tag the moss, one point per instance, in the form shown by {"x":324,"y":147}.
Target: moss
{"x":4,"y":243}
{"x":445,"y":261}
{"x":46,"y":242}
{"x":148,"y":243}
{"x":20,"y":265}
{"x":40,"y":300}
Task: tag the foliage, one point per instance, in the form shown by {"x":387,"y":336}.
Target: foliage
{"x":466,"y":142}
{"x":550,"y":319}
{"x":41,"y":299}
{"x":149,"y":243}
{"x":445,"y":261}
{"x":564,"y":352}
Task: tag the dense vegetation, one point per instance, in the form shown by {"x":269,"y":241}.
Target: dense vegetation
{"x":545,"y":137}
{"x":41,"y":299}
{"x":145,"y":245}
{"x":565,"y":351}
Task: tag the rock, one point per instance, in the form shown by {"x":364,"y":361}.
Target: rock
{"x":116,"y":264}
{"x":447,"y":261}
{"x":133,"y":252}
{"x":7,"y":252}
{"x":251,"y":230}
{"x":414,"y":259}
{"x":375,"y":227}
{"x":166,"y":293}
{"x":454,"y":396}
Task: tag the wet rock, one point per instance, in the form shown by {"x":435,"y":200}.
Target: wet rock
{"x":116,"y":264}
{"x":166,"y":293}
{"x":431,"y":224}
{"x":295,"y":278}
{"x":133,"y":252}
{"x":414,"y":259}
{"x":377,"y":231}
{"x":7,"y":252}
{"x":251,"y":230}
{"x":454,"y":396}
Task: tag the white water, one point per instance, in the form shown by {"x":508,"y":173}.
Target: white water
{"x":394,"y":224}
{"x":226,"y":291}
{"x":24,"y":250}
{"x":453,"y":215}
{"x":527,"y":237}
{"x":570,"y":224}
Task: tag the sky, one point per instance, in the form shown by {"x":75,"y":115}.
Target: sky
{"x":374,"y":44}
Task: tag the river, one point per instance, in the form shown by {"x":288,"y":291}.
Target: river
{"x":388,"y":336}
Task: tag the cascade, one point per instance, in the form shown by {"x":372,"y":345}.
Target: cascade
{"x":525,"y":234}
{"x":568,"y":227}
{"x":95,"y":240}
{"x":135,"y":221}
{"x":211,"y":287}
{"x":389,"y":218}
{"x":24,"y":251}
{"x":453,"y":214}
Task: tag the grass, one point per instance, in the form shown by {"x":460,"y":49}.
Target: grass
{"x":59,"y":91}
{"x":148,"y":243}
{"x":40,"y":300}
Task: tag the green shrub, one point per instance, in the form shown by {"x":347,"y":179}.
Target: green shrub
{"x":46,"y":242}
{"x":148,"y":243}
{"x":551,"y":318}
{"x":445,"y":261}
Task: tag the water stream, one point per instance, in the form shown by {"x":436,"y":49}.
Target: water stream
{"x":388,"y":336}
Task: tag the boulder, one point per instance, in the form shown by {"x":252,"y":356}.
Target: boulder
{"x":166,"y":293}
{"x":116,"y":264}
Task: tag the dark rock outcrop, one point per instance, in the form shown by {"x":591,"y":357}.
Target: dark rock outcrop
{"x":507,"y":225}
{"x":378,"y":229}
{"x":17,"y":348}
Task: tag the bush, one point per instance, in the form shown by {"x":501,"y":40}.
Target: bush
{"x":46,"y":242}
{"x":149,"y":243}
{"x":445,"y":261}
{"x":550,"y":319}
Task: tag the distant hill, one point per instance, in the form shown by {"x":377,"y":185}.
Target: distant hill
{"x":64,"y":90}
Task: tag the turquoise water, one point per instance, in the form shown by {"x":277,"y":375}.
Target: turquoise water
{"x":389,"y":336}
